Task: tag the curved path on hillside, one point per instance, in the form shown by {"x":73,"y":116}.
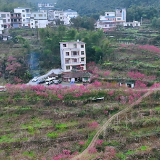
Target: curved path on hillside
{"x":85,"y":152}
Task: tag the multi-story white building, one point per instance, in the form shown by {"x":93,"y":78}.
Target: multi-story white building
{"x":68,"y":15}
{"x":73,"y":55}
{"x":26,"y":14}
{"x":1,"y":25}
{"x":38,"y":20}
{"x":120,"y":14}
{"x":59,"y":15}
{"x":112,"y":19}
{"x":16,"y":20}
{"x":107,"y":22}
{"x":45,"y":5}
{"x":6,"y":16}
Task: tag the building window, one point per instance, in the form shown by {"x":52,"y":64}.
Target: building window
{"x":64,"y":45}
{"x":75,"y":45}
{"x":82,"y":64}
{"x":40,"y":15}
{"x":44,"y":15}
{"x":3,"y":15}
{"x":86,"y":79}
{"x":82,"y":59}
{"x":82,"y":46}
{"x":67,"y":53}
{"x":23,"y":15}
{"x":82,"y":52}
{"x":8,"y":20}
{"x":34,"y":15}
{"x":118,"y":18}
{"x":67,"y":67}
{"x":74,"y":53}
{"x":23,"y":19}
{"x":22,"y":10}
{"x":31,"y":23}
{"x":7,"y":15}
{"x":4,"y":20}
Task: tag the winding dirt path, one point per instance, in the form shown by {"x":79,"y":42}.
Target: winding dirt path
{"x":85,"y":152}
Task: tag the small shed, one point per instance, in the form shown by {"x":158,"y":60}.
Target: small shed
{"x":76,"y":76}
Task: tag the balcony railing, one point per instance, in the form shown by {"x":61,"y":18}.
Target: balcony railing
{"x":72,"y":62}
{"x":13,"y":17}
{"x":75,"y":55}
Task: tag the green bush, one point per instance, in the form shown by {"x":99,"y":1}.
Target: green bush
{"x":29,"y":153}
{"x":61,"y":126}
{"x":52,"y":135}
{"x":30,"y":129}
{"x":121,"y":156}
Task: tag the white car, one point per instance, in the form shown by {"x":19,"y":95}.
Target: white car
{"x":35,"y":79}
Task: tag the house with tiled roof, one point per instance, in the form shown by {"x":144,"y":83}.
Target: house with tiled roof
{"x":76,"y":76}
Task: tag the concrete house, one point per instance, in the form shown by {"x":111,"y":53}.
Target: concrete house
{"x":16,"y":20}
{"x":38,"y":20}
{"x":73,"y":55}
{"x":45,"y":5}
{"x":120,"y":15}
{"x":112,"y":19}
{"x":1,"y":25}
{"x":6,"y":16}
{"x":68,"y":15}
{"x":132,"y":24}
{"x":107,"y":22}
{"x":26,"y":14}
{"x":76,"y":76}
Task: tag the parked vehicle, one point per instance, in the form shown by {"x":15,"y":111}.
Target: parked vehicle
{"x":57,"y":81}
{"x":35,"y":79}
{"x":41,"y":81}
{"x":49,"y":81}
{"x":2,"y":88}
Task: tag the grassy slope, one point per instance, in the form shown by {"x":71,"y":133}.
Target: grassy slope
{"x":133,"y":59}
{"x":43,"y":129}
{"x":136,"y":134}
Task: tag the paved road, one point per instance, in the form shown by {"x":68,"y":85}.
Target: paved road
{"x":56,"y":71}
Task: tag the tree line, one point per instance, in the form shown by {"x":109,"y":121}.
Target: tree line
{"x":135,"y":8}
{"x":97,"y":46}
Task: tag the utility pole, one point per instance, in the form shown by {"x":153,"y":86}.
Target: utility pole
{"x":141,"y":20}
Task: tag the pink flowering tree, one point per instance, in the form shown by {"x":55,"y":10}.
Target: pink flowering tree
{"x":93,"y":125}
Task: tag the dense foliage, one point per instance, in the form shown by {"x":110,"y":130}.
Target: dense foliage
{"x":9,"y":5}
{"x":135,"y":8}
{"x":97,"y":46}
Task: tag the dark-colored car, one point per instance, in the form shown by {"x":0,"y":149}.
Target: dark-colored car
{"x":41,"y":81}
{"x":57,"y":81}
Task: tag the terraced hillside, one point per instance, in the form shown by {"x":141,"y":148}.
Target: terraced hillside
{"x":33,"y":130}
{"x":136,"y":134}
{"x":125,"y":58}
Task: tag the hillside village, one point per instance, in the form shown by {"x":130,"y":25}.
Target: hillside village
{"x":46,"y":15}
{"x":76,"y":87}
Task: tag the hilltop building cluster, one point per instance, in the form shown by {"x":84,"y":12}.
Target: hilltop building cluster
{"x":111,"y":20}
{"x":47,"y":15}
{"x":24,"y":17}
